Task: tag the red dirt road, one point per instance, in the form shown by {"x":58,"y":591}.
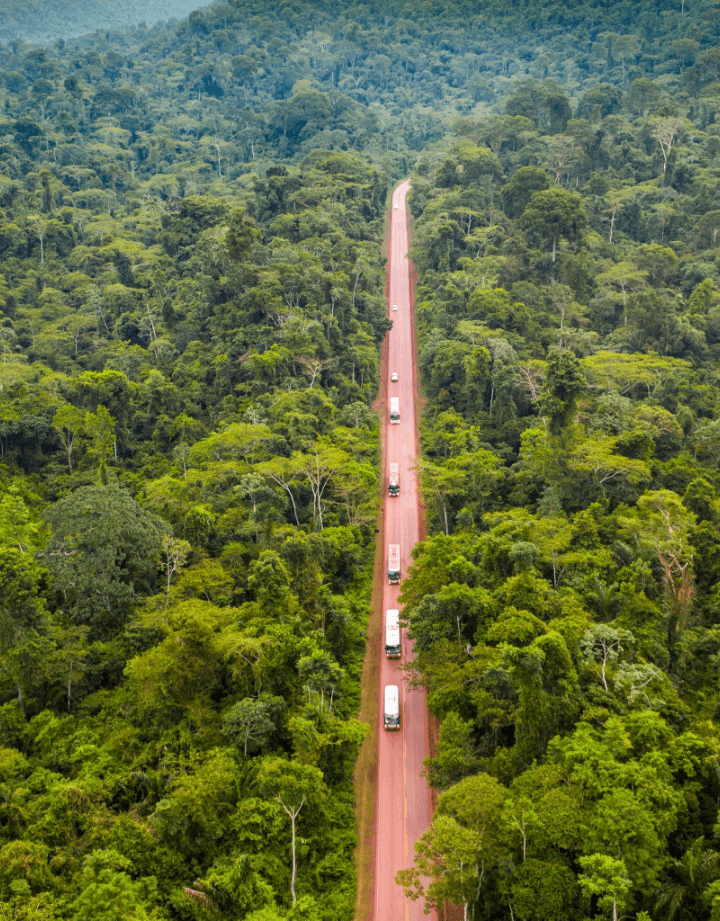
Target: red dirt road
{"x":403,"y":798}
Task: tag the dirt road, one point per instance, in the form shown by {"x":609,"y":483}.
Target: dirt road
{"x":403,"y":799}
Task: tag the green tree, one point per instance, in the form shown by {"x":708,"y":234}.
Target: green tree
{"x":293,"y":786}
{"x":70,"y":423}
{"x":241,"y":235}
{"x":682,"y":890}
{"x":455,"y":757}
{"x":565,"y":385}
{"x":110,"y":894}
{"x":103,"y":555}
{"x":554,"y":213}
{"x":269,"y":580}
{"x":195,"y":812}
{"x":100,"y":428}
{"x":251,"y":722}
{"x":462,"y":847}
{"x":606,"y":878}
{"x":24,"y":627}
{"x":19,"y":527}
{"x":174,"y":556}
{"x":544,"y":891}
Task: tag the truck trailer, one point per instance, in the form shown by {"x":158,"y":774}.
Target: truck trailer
{"x":391,"y":707}
{"x":393,"y":645}
{"x":394,"y":564}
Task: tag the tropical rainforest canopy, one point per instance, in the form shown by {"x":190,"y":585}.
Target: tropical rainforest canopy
{"x":191,"y":297}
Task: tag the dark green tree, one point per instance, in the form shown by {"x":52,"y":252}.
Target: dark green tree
{"x":554,"y":213}
{"x":103,"y":556}
{"x":565,"y":386}
{"x":519,"y":190}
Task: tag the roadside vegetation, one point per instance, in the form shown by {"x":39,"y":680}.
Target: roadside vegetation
{"x":565,"y":607}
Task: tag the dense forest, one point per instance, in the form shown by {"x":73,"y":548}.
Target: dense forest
{"x":191,"y":312}
{"x":566,"y":607}
{"x":188,"y":495}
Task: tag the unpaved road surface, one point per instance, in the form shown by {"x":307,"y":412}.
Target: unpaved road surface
{"x":403,"y":798}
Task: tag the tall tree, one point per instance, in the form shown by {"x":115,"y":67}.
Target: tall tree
{"x":293,"y":786}
{"x":554,"y":213}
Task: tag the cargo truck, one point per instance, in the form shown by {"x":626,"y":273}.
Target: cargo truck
{"x":393,"y":646}
{"x":391,"y":708}
{"x":394,"y":564}
{"x":394,"y":410}
{"x":394,"y":480}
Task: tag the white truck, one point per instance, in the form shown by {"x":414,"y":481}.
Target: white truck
{"x":393,"y":644}
{"x":394,"y":410}
{"x":394,"y":480}
{"x":394,"y":564}
{"x":391,"y":708}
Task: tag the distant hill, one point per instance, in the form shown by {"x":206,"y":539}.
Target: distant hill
{"x":46,"y":21}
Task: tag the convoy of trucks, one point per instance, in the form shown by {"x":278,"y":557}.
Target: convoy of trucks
{"x":393,"y":642}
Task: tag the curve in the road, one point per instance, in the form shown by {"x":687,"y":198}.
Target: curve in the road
{"x":404,"y":804}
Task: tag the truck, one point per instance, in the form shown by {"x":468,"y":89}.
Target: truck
{"x":394,"y":410}
{"x":391,"y":707}
{"x":393,"y":645}
{"x":394,"y":480}
{"x":394,"y":564}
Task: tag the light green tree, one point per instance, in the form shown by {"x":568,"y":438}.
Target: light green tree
{"x":606,"y":878}
{"x":463,"y":844}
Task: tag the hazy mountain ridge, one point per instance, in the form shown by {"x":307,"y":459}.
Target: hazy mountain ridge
{"x":53,"y":20}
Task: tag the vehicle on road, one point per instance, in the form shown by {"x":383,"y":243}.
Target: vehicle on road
{"x":394,"y":410}
{"x":394,"y":480}
{"x":393,"y":645}
{"x":394,"y":377}
{"x":394,"y":564}
{"x":391,"y":710}
{"x":396,"y":207}
{"x":394,"y":306}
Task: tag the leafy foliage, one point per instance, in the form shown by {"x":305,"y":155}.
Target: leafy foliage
{"x":564,"y":606}
{"x":187,"y":503}
{"x":190,"y":317}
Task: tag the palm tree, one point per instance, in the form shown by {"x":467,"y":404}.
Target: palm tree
{"x":606,"y":599}
{"x":678,"y":896}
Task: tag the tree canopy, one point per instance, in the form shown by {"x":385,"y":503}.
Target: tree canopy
{"x":191,"y":315}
